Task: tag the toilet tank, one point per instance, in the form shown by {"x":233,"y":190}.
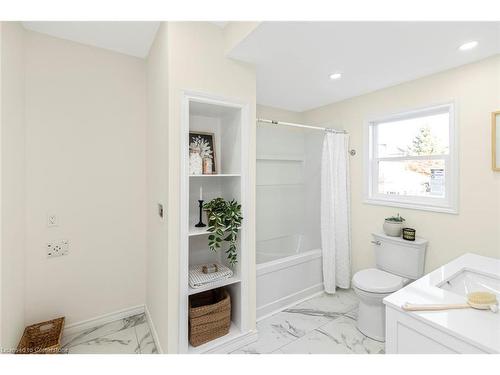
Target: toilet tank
{"x":400,"y":257}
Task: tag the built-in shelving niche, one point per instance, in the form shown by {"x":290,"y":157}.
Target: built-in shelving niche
{"x":228,"y":121}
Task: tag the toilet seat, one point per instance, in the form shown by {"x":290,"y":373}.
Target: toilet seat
{"x":373,"y":280}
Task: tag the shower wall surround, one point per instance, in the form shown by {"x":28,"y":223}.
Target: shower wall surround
{"x":288,"y":185}
{"x":288,"y":212}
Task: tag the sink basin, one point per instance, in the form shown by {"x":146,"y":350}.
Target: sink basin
{"x":467,"y":281}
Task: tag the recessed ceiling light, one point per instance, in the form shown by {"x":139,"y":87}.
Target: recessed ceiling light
{"x":335,"y":76}
{"x":469,"y":45}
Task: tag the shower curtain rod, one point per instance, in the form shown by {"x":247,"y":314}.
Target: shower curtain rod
{"x":352,"y":152}
{"x":273,"y":122}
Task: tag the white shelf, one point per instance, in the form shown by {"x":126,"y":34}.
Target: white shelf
{"x":194,"y":231}
{"x":234,"y":332}
{"x":217,"y":284}
{"x":216,"y":175}
{"x":297,"y":158}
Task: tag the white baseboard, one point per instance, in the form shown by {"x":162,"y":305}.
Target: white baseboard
{"x":153,"y":330}
{"x":288,"y":301}
{"x":102,"y":319}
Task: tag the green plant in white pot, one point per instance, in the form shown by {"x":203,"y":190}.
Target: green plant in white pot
{"x":224,"y":222}
{"x":393,"y":225}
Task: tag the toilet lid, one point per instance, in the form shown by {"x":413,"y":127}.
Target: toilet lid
{"x":377,"y":281}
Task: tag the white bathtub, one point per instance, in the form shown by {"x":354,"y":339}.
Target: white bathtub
{"x":288,"y":280}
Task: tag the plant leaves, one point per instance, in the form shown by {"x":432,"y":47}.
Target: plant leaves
{"x":224,"y":219}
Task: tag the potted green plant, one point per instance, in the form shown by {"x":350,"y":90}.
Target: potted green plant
{"x":224,"y":222}
{"x":393,"y":225}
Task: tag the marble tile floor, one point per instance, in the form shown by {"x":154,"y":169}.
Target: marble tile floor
{"x":129,"y":335}
{"x":321,"y":325}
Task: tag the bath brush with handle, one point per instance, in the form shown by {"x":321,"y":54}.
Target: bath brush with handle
{"x":476,"y":300}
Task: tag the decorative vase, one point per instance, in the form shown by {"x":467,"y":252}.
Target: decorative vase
{"x":195,"y":163}
{"x":393,"y":228}
{"x":207,"y":165}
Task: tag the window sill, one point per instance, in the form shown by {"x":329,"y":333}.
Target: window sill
{"x":411,"y":206}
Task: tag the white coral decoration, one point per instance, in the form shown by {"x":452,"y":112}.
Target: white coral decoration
{"x":200,"y":144}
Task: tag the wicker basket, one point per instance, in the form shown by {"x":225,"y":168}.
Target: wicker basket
{"x":42,"y":338}
{"x":209,"y":316}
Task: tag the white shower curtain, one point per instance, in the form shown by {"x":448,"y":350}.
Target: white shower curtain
{"x":335,"y":212}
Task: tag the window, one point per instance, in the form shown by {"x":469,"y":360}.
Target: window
{"x":411,"y":160}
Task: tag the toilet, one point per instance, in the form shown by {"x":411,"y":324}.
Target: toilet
{"x":398,"y":262}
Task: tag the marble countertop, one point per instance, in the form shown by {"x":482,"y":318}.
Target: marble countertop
{"x":480,"y":328}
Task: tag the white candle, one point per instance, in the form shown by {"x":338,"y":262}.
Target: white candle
{"x":201,"y":193}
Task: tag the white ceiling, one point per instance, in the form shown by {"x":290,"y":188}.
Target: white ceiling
{"x":294,"y":59}
{"x":131,"y":37}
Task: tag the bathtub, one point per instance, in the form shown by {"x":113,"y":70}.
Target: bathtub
{"x":286,"y":277}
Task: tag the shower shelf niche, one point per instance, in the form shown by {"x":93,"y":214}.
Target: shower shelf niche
{"x":229,"y":122}
{"x":297,"y":158}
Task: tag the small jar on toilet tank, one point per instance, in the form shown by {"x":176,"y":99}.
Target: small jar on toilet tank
{"x":393,"y":225}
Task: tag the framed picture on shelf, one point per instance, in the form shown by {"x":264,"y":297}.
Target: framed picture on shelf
{"x":204,"y":144}
{"x":495,"y":141}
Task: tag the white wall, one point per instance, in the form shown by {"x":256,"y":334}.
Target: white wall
{"x":197,"y":62}
{"x":86,"y":137}
{"x":12,"y":156}
{"x":475,"y":89}
{"x":157,"y":182}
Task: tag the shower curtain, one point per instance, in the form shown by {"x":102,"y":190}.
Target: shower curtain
{"x":335,"y":212}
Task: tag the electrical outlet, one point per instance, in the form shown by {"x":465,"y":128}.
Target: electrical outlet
{"x":57,"y":248}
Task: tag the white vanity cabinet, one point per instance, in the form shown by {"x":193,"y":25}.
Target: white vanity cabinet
{"x":407,"y":335}
{"x":467,"y":331}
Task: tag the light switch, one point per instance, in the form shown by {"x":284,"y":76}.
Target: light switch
{"x":52,"y":220}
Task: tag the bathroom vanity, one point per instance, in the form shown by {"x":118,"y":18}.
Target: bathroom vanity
{"x":447,"y":331}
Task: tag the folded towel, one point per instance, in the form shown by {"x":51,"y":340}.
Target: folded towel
{"x":197,"y":278}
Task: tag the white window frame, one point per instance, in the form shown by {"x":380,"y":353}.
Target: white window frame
{"x":449,"y":204}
